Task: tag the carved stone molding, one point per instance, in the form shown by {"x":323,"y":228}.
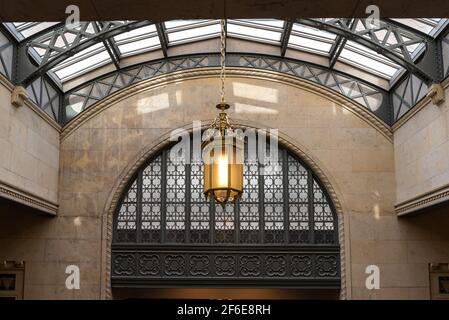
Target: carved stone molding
{"x":423,"y":201}
{"x":19,"y":96}
{"x":23,"y":197}
{"x":436,"y":93}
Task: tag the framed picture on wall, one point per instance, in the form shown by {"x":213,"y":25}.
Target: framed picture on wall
{"x":439,"y":281}
{"x":7,"y":281}
{"x":443,"y":285}
{"x":11,"y":280}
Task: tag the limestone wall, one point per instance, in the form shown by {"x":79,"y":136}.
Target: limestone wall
{"x":422,"y":151}
{"x":356,"y":157}
{"x":29,"y":154}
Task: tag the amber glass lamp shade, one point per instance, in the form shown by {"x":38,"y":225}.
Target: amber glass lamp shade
{"x":223,"y":169}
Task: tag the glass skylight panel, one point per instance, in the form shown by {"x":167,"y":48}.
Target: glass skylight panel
{"x":191,"y":30}
{"x":138,"y":40}
{"x":309,"y":44}
{"x":259,"y":30}
{"x":311,"y":39}
{"x":27,"y":29}
{"x":312,"y":31}
{"x":172,"y":24}
{"x":195,"y":33}
{"x":367,"y":59}
{"x":84,"y":61}
{"x":430,"y":26}
{"x":265,"y":22}
{"x":137,"y":33}
{"x":139,"y":46}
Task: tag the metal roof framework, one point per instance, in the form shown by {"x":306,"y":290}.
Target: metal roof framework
{"x":47,"y":55}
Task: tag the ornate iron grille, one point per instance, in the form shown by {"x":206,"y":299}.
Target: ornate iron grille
{"x":84,"y":96}
{"x":282,"y":232}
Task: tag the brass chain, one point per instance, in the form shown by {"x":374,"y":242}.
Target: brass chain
{"x":223,"y":59}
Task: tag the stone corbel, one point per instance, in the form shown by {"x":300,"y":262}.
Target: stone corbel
{"x":18,"y":96}
{"x":439,"y":267}
{"x":9,"y":264}
{"x":436,"y":93}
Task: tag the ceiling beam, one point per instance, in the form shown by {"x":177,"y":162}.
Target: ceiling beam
{"x":111,"y":48}
{"x":54,"y":54}
{"x":336,"y":50}
{"x":408,"y":28}
{"x":396,"y":52}
{"x":339,"y":45}
{"x":285,"y":37}
{"x":163,"y":38}
{"x":112,"y":53}
{"x":42,"y":32}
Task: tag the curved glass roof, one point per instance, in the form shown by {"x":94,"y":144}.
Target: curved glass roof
{"x":378,"y":55}
{"x":46,"y":41}
{"x":386,"y":68}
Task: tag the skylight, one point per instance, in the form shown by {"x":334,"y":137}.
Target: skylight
{"x":82,"y":62}
{"x":148,"y":37}
{"x":191,"y":30}
{"x":138,"y":40}
{"x":364,"y":58}
{"x":24,"y":30}
{"x":393,"y":40}
{"x":311,"y":39}
{"x":429,"y":26}
{"x":265,"y":30}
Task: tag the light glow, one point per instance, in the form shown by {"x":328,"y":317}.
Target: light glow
{"x":153,"y":103}
{"x":255,"y":92}
{"x":222,"y":170}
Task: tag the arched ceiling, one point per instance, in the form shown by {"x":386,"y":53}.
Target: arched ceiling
{"x":384,"y":50}
{"x":365,"y":94}
{"x":377,"y":56}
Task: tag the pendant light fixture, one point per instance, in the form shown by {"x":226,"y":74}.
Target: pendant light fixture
{"x":223,"y":148}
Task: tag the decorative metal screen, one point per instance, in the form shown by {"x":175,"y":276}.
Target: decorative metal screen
{"x":281,"y":232}
{"x":87,"y":94}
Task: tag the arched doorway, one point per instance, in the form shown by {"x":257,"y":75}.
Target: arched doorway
{"x":282,"y":233}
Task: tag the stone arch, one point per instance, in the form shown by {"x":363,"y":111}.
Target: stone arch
{"x":163,"y":141}
{"x":206,"y":73}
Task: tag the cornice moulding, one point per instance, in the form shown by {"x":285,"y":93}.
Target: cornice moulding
{"x":423,"y":201}
{"x":28,"y":199}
